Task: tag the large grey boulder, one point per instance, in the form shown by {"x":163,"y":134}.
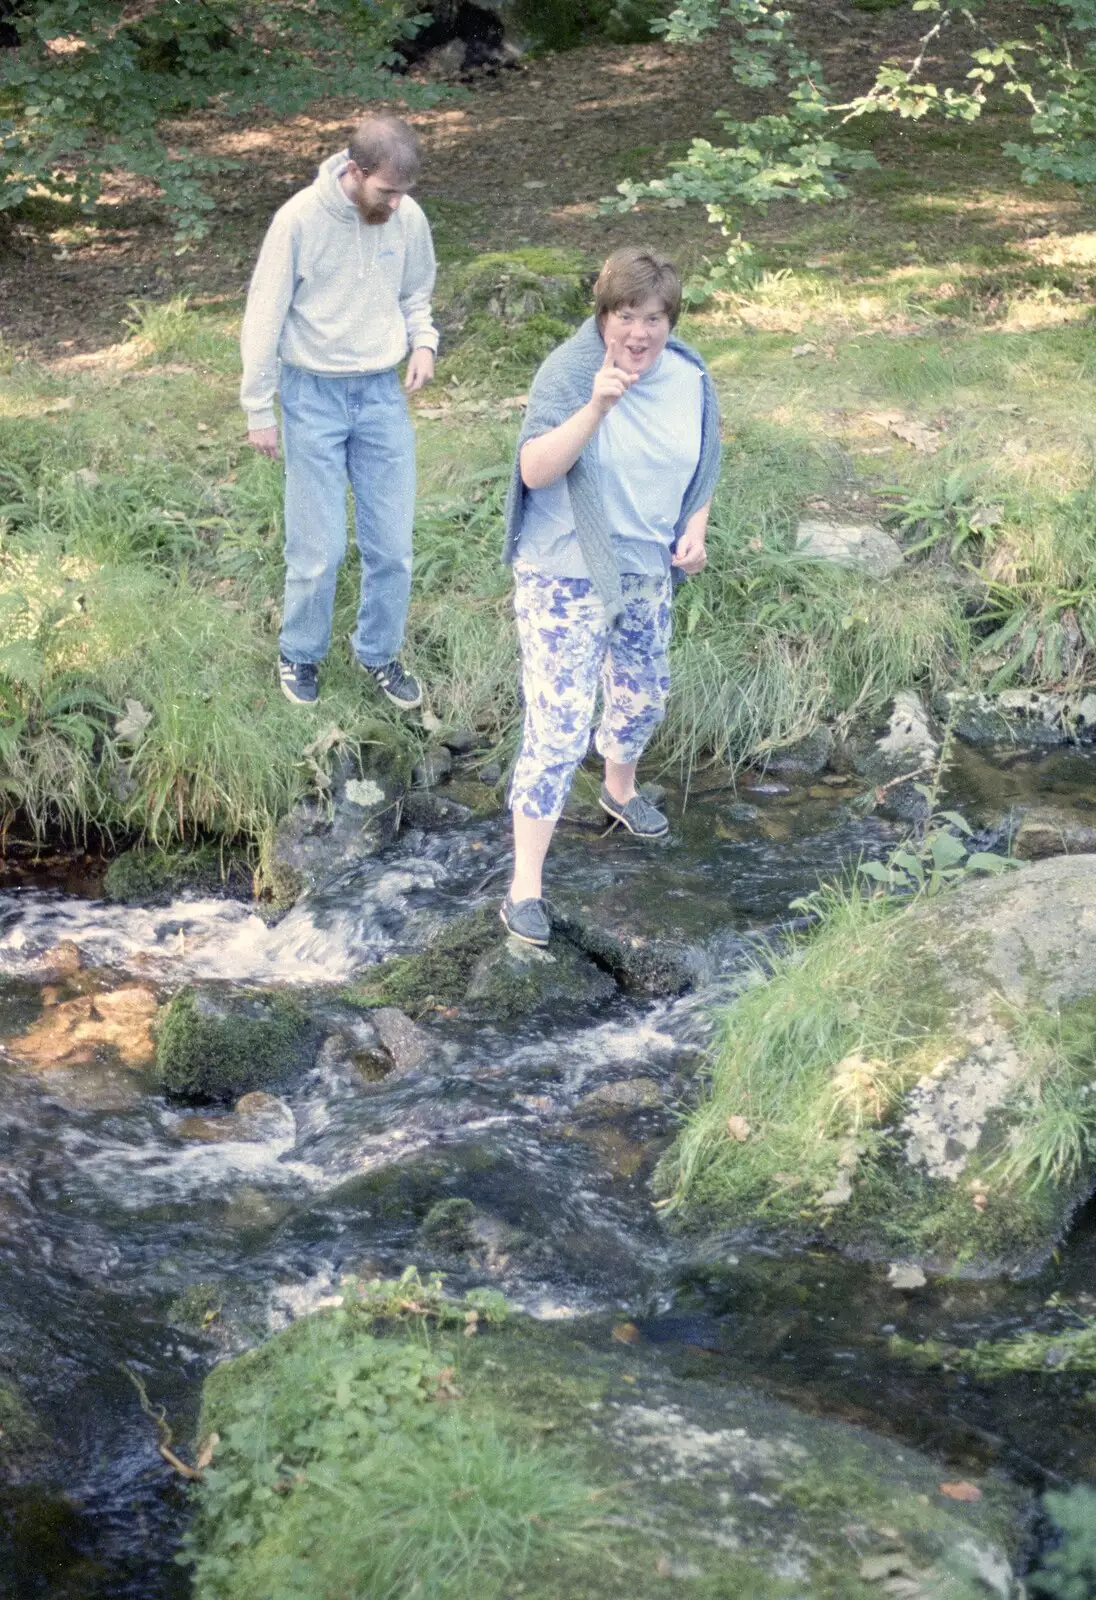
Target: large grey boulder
{"x":971,"y":1145}
{"x":695,"y":1486}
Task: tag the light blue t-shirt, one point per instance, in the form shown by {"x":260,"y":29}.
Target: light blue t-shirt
{"x":647,"y":450}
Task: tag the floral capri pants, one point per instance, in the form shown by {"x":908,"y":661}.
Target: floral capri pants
{"x":566,"y":645}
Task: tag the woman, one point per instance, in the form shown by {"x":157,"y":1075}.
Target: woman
{"x":615,"y":470}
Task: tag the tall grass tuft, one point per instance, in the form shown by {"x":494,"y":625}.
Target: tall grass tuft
{"x":805,"y":1066}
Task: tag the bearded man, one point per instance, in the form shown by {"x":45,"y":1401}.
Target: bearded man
{"x":340,"y":294}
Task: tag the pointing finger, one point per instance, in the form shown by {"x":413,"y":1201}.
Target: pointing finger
{"x":612,"y":354}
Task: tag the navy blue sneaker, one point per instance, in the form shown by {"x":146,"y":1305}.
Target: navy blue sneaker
{"x":299,"y":681}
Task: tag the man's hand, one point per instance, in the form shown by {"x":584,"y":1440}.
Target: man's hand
{"x":690,"y":556}
{"x":265,"y":441}
{"x":420,"y":369}
{"x":611,"y":382}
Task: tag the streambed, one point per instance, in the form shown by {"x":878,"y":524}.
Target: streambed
{"x":135,"y":1234}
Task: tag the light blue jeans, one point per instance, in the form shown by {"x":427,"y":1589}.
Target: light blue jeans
{"x":337,"y":430}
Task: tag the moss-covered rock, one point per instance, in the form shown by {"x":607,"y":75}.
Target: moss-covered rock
{"x":473,"y":965}
{"x":216,"y":1044}
{"x":915,"y":1084}
{"x":448,"y":1227}
{"x":148,"y":877}
{"x":585,"y":1469}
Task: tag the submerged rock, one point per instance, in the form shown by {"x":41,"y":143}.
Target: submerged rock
{"x":637,"y":1478}
{"x":629,"y":1094}
{"x":216,"y":1044}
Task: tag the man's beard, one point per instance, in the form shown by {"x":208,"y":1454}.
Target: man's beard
{"x":375,"y":216}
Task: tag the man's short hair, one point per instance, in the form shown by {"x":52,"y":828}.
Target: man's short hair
{"x":634,"y":274}
{"x":386,"y":142}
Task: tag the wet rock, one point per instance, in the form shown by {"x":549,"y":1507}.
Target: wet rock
{"x":425,"y":809}
{"x":473,"y":964}
{"x":408,"y":1046}
{"x":909,"y":744}
{"x":806,"y":756}
{"x":1032,"y":717}
{"x":144,"y":877}
{"x":515,"y":979}
{"x":1051,"y":831}
{"x":434,"y":767}
{"x":490,"y":773}
{"x":322,"y":838}
{"x":354,"y":1054}
{"x":457,"y":1227}
{"x":216,"y":1044}
{"x":447,"y":1228}
{"x":863,"y":545}
{"x":642,"y":965}
{"x":23,"y":1440}
{"x":611,"y":1099}
{"x":463,"y":742}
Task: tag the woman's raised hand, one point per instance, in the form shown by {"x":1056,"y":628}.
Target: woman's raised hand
{"x":610,"y":382}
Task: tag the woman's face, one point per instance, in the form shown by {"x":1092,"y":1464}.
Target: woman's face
{"x":639,"y":334}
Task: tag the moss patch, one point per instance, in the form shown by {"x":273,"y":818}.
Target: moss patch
{"x":21,"y":1437}
{"x":439,"y":975}
{"x":149,"y":877}
{"x":216,"y":1048}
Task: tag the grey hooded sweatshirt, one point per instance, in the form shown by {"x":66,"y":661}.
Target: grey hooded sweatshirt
{"x":334,"y":294}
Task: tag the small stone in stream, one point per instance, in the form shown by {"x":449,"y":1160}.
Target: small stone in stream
{"x":448,"y":1227}
{"x":463,"y":742}
{"x":902,"y":1276}
{"x":435,"y":765}
{"x":407,"y":1043}
{"x":490,"y":773}
{"x":632,"y":1094}
{"x":766,"y":788}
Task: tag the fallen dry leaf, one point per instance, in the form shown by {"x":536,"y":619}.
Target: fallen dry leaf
{"x":739,"y":1129}
{"x":626,"y":1333}
{"x":134,"y":720}
{"x":927,"y":440}
{"x":205,"y":1454}
{"x":968,"y":1493}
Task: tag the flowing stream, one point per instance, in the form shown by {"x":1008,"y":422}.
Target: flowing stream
{"x":115,"y":1204}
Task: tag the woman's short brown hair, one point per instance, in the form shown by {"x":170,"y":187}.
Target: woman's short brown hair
{"x":631,"y":276}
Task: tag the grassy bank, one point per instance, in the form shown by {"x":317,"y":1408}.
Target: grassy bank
{"x":919,"y":355}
